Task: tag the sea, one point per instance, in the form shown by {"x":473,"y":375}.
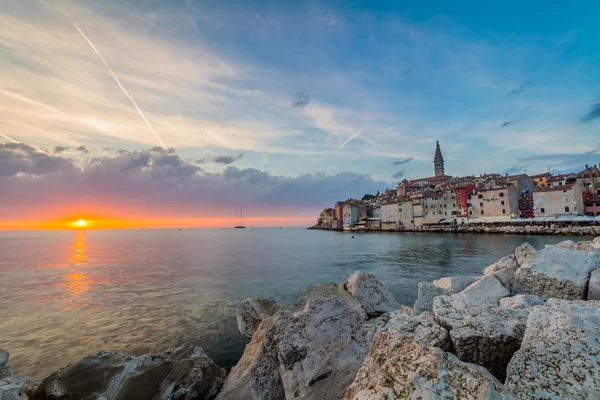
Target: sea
{"x":66,"y":294}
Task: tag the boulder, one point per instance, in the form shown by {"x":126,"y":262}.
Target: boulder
{"x":411,"y":370}
{"x":585,"y":246}
{"x":182,"y":373}
{"x":455,"y":284}
{"x":370,"y":293}
{"x":481,"y":333}
{"x":427,"y":291}
{"x":521,"y":301}
{"x":567,"y":244}
{"x":560,"y":354}
{"x":313,"y":353}
{"x":323,"y":291}
{"x":524,"y":252}
{"x":13,"y":386}
{"x":596,"y":240}
{"x":557,"y":272}
{"x":505,"y":271}
{"x":406,"y":325}
{"x":487,"y":288}
{"x":593,"y":292}
{"x":251,"y":312}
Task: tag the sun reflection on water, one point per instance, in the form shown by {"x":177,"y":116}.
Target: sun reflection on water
{"x":77,"y":280}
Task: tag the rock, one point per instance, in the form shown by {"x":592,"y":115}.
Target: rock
{"x":370,"y":293}
{"x":455,"y":284}
{"x":557,"y":272}
{"x":409,"y":326}
{"x":524,"y":252}
{"x":182,"y":373}
{"x":251,"y":312}
{"x":596,"y":240}
{"x":560,"y":354}
{"x":313,"y":353}
{"x":324,"y":291}
{"x":487,"y":288}
{"x":521,"y":301}
{"x":593,"y":292}
{"x":410,"y":370}
{"x":586,"y":246}
{"x":5,"y":369}
{"x":505,"y":271}
{"x":427,"y":291}
{"x":13,"y":386}
{"x":481,"y":333}
{"x":567,"y":244}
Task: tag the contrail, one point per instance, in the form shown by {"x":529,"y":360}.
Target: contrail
{"x":121,"y":86}
{"x":8,"y":138}
{"x":222,"y":111}
{"x":351,"y":137}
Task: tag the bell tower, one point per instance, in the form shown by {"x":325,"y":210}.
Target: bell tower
{"x":438,"y":161}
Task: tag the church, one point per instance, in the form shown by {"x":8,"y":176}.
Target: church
{"x":439,"y":176}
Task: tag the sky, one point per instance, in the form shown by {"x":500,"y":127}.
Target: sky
{"x":173,"y":114}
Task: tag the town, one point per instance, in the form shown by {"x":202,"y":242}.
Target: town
{"x":446,"y":201}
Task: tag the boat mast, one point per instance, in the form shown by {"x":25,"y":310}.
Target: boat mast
{"x":241,"y":216}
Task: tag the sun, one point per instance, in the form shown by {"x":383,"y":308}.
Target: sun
{"x":80,"y":223}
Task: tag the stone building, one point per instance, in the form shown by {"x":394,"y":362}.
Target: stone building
{"x":494,"y":201}
{"x":522,"y":182}
{"x":540,"y":180}
{"x":406,"y":187}
{"x":350,"y":215}
{"x":406,"y":214}
{"x":554,"y":201}
{"x":591,"y":198}
{"x":390,"y":216}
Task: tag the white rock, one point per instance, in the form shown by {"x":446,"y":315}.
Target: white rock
{"x":567,"y":244}
{"x":313,"y":353}
{"x":594,"y":286}
{"x":557,"y":272}
{"x":427,"y":291}
{"x":324,"y":291}
{"x":524,"y":252}
{"x":481,"y":333}
{"x":13,"y":385}
{"x":521,"y":301}
{"x":505,"y":271}
{"x":408,"y":326}
{"x":370,"y":293}
{"x":409,"y":370}
{"x":487,"y":288}
{"x":596,"y":240}
{"x":560,"y":354}
{"x":455,"y":284}
{"x":586,"y":246}
{"x":251,"y":312}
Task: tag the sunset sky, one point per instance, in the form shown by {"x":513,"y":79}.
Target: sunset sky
{"x":254,"y":102}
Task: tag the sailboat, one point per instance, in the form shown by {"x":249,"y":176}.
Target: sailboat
{"x":240,"y":219}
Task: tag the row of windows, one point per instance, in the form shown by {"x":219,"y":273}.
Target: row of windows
{"x":501,"y":203}
{"x":483,"y":213}
{"x":591,"y":204}
{"x":543,"y":210}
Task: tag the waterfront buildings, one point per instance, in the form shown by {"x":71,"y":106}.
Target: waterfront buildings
{"x":540,"y":179}
{"x":494,"y":200}
{"x":554,"y":201}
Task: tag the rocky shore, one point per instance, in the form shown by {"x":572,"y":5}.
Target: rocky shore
{"x":527,"y":328}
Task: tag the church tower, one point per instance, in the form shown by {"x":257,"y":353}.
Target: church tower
{"x":438,"y":161}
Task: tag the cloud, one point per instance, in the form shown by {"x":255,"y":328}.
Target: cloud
{"x":399,"y":174}
{"x":562,"y":161}
{"x":515,"y":169}
{"x":221,"y":159}
{"x":409,"y":159}
{"x":301,"y":101}
{"x":593,"y":114}
{"x":59,"y":149}
{"x":507,"y":123}
{"x":82,"y":149}
{"x":408,"y":71}
{"x":155,"y":182}
{"x":519,"y":89}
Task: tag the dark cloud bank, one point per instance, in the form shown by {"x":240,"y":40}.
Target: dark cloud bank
{"x":161,"y":182}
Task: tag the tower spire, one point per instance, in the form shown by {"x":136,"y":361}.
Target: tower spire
{"x":438,"y":160}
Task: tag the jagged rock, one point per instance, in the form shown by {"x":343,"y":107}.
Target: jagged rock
{"x":182,"y":373}
{"x":481,"y":333}
{"x":586,"y":246}
{"x":487,"y":288}
{"x":455,"y":284}
{"x":5,"y":369}
{"x":567,"y":244}
{"x":324,"y":291}
{"x":521,"y":301}
{"x":505,"y":271}
{"x":409,"y":326}
{"x":524,"y":252}
{"x":313,"y":353}
{"x":427,"y":291}
{"x":557,"y":272}
{"x":410,"y":370}
{"x":251,"y":312}
{"x":370,"y":293}
{"x":593,"y":292}
{"x":13,"y":386}
{"x":560,"y":354}
{"x":596,"y":240}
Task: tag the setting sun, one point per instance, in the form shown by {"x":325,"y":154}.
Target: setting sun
{"x":80,"y":223}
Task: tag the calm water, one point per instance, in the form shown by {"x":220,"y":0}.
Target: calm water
{"x":67,"y":294}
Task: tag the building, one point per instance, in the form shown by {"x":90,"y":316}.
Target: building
{"x":461,"y":193}
{"x":406,"y":187}
{"x":522,"y":182}
{"x":350,"y":215}
{"x":338,"y":216}
{"x":553,"y":201}
{"x":540,"y":180}
{"x":589,"y":177}
{"x":494,"y":201}
{"x":438,"y":161}
{"x":406,"y":214}
{"x":591,"y":199}
{"x":390,"y":216}
{"x":526,"y":209}
{"x":561,"y":180}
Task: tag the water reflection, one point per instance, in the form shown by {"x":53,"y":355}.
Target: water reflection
{"x":77,"y":281}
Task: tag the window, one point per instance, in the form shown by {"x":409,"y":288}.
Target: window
{"x":531,"y":204}
{"x":445,"y":206}
{"x":542,"y":210}
{"x":480,"y":204}
{"x":481,"y":212}
{"x":502,"y":202}
{"x":559,"y":183}
{"x":470,"y":212}
{"x":501,"y":194}
{"x":503,"y":211}
{"x":469,"y":196}
{"x":458,"y":198}
{"x":453,"y":198}
{"x":453,"y":212}
{"x":566,"y":209}
{"x":480,"y":196}
{"x":597,"y":204}
{"x":521,"y":205}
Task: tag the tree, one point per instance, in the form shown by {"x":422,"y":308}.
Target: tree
{"x":368,"y":197}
